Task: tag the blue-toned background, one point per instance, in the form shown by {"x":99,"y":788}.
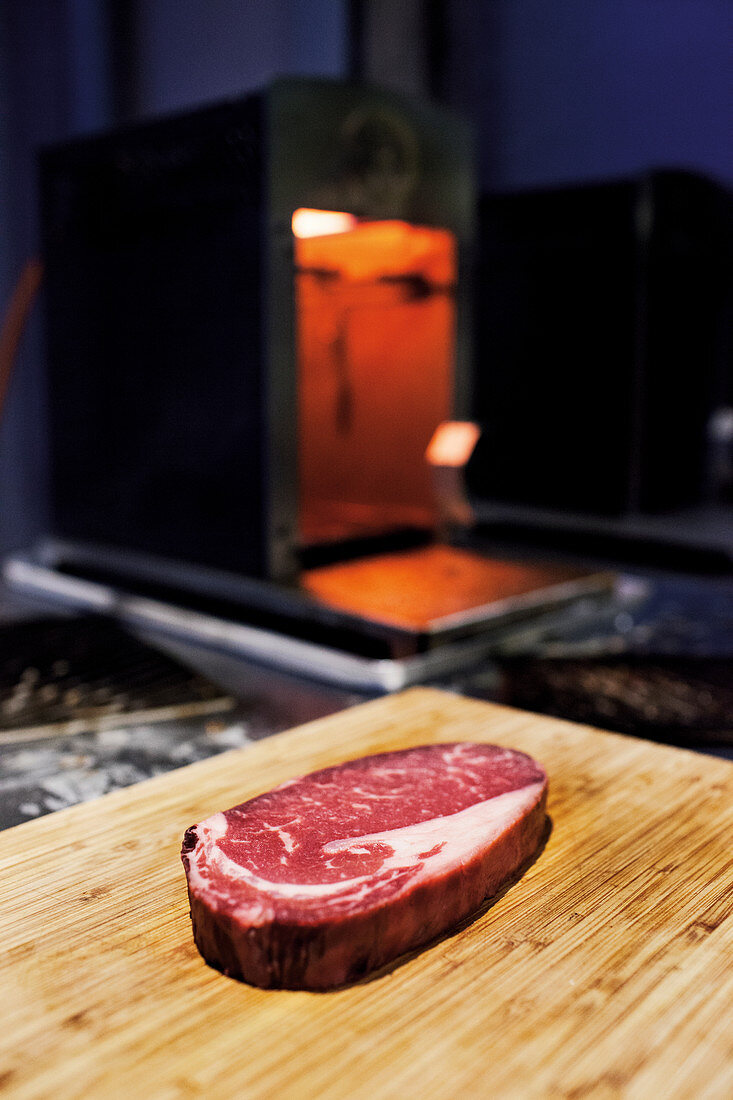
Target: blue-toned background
{"x":558,"y":92}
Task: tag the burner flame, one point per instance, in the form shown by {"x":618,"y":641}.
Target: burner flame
{"x":321,"y":223}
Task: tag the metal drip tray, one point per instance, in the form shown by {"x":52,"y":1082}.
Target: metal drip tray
{"x":353,"y":624}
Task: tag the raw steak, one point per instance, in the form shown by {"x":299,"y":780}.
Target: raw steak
{"x":330,"y":876}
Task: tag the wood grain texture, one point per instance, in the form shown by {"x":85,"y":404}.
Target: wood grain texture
{"x":605,"y":971}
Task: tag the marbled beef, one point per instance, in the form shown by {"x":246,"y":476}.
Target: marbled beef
{"x":329,"y":876}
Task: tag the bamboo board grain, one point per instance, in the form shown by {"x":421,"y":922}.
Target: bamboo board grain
{"x":606,"y":970}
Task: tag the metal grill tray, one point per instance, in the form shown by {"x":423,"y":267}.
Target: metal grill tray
{"x":39,"y":573}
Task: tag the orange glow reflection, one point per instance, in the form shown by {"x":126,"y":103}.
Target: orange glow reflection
{"x":453,"y":443}
{"x":375,"y":311}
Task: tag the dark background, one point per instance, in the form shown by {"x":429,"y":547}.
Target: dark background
{"x":562,"y":92}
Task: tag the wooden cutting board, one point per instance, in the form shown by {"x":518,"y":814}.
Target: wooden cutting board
{"x":606,"y":970}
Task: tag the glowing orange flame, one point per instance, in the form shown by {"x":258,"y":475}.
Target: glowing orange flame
{"x":321,"y":223}
{"x":452,"y":443}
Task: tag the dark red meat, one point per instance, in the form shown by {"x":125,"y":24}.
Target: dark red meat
{"x":330,"y":876}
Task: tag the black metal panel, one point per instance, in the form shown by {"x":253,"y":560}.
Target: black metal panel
{"x":555,"y":335}
{"x":603,"y":343}
{"x":154,"y":247}
{"x":688,"y":333}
